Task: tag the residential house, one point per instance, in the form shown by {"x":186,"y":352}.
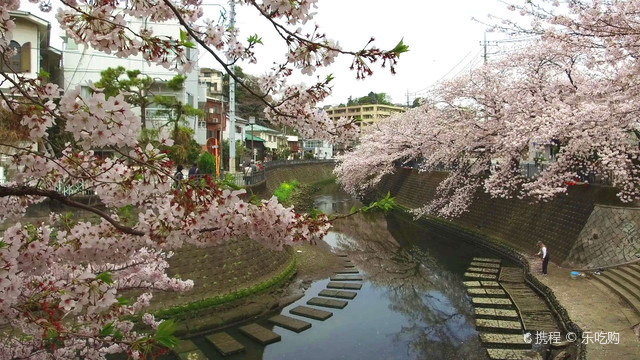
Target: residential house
{"x":273,"y":139}
{"x":295,"y":146}
{"x":33,"y":50}
{"x":33,"y":53}
{"x":319,"y":148}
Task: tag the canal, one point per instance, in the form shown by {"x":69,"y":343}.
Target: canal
{"x":412,"y":304}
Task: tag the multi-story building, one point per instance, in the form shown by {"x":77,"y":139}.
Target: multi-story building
{"x":211,"y":81}
{"x":83,"y":64}
{"x":365,"y":114}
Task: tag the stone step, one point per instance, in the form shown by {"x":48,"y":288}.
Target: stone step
{"x":484,"y":264}
{"x":489,"y":292}
{"x":185,"y":346}
{"x":495,"y":313}
{"x":349,"y":266}
{"x":344,"y":277}
{"x":627,"y":282}
{"x":344,"y":286}
{"x":474,"y":275}
{"x":491,"y":260}
{"x":495,"y":325}
{"x":501,"y":303}
{"x":511,"y":354}
{"x":260,"y":334}
{"x":479,"y":283}
{"x":483,"y":270}
{"x":515,"y":341}
{"x":290,"y":323}
{"x":628,"y":297}
{"x":330,"y":303}
{"x":193,"y":355}
{"x":338,"y":294}
{"x":311,"y":313}
{"x":225,"y":344}
{"x":348,"y":271}
{"x":341,"y":255}
{"x":634,"y":267}
{"x":630,"y":271}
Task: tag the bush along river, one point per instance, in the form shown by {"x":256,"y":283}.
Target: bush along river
{"x":403,"y":291}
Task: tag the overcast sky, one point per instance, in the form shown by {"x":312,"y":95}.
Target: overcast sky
{"x":442,"y":37}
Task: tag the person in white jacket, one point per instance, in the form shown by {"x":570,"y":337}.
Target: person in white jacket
{"x":544,"y":254}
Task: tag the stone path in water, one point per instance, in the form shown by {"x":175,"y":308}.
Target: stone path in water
{"x":498,"y":319}
{"x":338,"y":289}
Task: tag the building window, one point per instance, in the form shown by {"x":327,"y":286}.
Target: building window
{"x":214,"y":87}
{"x":190,"y":99}
{"x":71,"y":44}
{"x":11,"y":59}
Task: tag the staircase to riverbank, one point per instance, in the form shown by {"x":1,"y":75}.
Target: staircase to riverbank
{"x":624,"y":281}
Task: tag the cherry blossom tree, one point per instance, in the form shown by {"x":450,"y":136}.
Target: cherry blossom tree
{"x":66,"y":284}
{"x":574,"y":86}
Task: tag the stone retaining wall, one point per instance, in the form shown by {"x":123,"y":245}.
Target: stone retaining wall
{"x":305,"y":174}
{"x":566,"y":224}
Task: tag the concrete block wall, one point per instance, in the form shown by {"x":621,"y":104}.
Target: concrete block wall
{"x":563,"y":224}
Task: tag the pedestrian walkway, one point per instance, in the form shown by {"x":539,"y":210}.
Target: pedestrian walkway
{"x":594,"y":308}
{"x":334,"y":297}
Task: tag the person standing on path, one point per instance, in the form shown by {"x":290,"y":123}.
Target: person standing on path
{"x":178,"y":176}
{"x":544,"y":254}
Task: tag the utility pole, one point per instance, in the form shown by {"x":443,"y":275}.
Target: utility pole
{"x":408,"y":105}
{"x":485,"y":47}
{"x":232,"y":102}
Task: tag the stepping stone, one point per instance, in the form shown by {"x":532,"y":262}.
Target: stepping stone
{"x":185,"y":346}
{"x":341,"y":277}
{"x":483,"y":270}
{"x":480,"y":301}
{"x":490,"y":292}
{"x":311,"y":313}
{"x":290,"y":323}
{"x":331,"y":303}
{"x":348,"y":271}
{"x":504,"y":325}
{"x":479,"y":259}
{"x":475,"y":275}
{"x":338,"y":294}
{"x":496,"y":313}
{"x":341,"y":285}
{"x":484,"y":264}
{"x":260,"y":334}
{"x":193,"y":355}
{"x":504,"y":340}
{"x":510,"y":354}
{"x":225,"y":344}
{"x":471,"y":283}
{"x":487,"y":283}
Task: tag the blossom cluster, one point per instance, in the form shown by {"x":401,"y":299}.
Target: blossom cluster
{"x":571,"y":88}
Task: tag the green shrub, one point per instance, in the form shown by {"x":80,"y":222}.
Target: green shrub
{"x":207,"y":163}
{"x":284,"y":191}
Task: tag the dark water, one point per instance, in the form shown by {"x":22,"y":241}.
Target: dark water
{"x":412,"y":304}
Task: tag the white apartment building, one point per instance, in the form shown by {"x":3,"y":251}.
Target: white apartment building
{"x":83,"y":64}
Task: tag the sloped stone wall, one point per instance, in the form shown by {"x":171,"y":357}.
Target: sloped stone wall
{"x":558,"y":223}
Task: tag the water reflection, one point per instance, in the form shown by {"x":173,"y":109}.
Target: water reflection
{"x":439,"y":317}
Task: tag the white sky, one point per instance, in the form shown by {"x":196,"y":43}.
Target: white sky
{"x":440,"y":35}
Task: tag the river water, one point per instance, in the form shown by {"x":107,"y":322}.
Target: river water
{"x":412,"y":304}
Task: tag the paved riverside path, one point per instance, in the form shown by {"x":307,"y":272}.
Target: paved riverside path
{"x":534,"y":311}
{"x":593,"y":308}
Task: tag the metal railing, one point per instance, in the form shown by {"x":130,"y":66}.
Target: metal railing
{"x":276,"y":163}
{"x":241,"y":179}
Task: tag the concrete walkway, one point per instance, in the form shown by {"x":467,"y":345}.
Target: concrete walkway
{"x":594,"y":309}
